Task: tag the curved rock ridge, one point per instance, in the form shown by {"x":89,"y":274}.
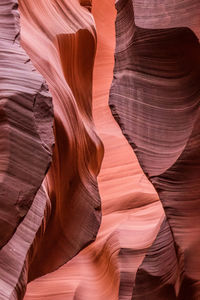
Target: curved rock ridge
{"x":162,"y":14}
{"x":50,"y":217}
{"x":156,"y":280}
{"x":60,"y":38}
{"x":131,"y":211}
{"x":154,"y":97}
{"x":87,"y":4}
{"x":26,"y":121}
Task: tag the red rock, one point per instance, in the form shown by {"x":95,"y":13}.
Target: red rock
{"x":55,"y":35}
{"x":141,"y":251}
{"x":131,"y":211}
{"x":26,"y":119}
{"x":155,"y":99}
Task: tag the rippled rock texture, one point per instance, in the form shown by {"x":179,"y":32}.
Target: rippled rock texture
{"x":26,"y":119}
{"x":55,"y":34}
{"x":155,"y":98}
{"x":131,"y":211}
{"x":134,"y":234}
{"x":46,"y":218}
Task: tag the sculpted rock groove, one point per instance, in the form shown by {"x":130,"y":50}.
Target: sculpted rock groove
{"x":140,"y":241}
{"x":155,"y":99}
{"x":131,"y":211}
{"x":55,"y":34}
{"x":26,"y":119}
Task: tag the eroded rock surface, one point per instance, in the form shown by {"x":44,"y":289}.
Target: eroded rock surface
{"x":60,"y":38}
{"x":26,"y":120}
{"x":155,"y":98}
{"x":131,"y":211}
{"x":141,"y":251}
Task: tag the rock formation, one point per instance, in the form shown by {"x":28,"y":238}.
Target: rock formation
{"x":155,"y":97}
{"x":131,"y":211}
{"x":132,"y":233}
{"x":26,"y":120}
{"x":55,"y":38}
{"x":66,"y":207}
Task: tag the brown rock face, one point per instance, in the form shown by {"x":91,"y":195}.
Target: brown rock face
{"x":67,"y":206}
{"x":56,"y":34}
{"x":155,"y":99}
{"x":26,"y":119}
{"x":134,"y":234}
{"x":131,"y":211}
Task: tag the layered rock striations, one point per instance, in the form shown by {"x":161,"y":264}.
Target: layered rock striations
{"x":46,"y":217}
{"x":155,"y":99}
{"x":131,"y":211}
{"x":148,"y":241}
{"x":26,"y":120}
{"x":56,"y":35}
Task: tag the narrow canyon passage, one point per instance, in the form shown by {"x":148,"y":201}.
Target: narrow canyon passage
{"x":99,"y":150}
{"x":131,"y":210}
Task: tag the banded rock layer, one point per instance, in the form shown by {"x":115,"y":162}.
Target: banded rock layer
{"x":55,"y":40}
{"x":141,"y":251}
{"x":155,"y":99}
{"x":131,"y":211}
{"x":26,"y":119}
{"x":46,"y":220}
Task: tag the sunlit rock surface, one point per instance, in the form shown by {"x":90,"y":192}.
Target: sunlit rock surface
{"x":132,"y":233}
{"x":132,"y":213}
{"x":55,"y":34}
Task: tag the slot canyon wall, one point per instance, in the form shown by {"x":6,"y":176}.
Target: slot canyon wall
{"x":99,"y":153}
